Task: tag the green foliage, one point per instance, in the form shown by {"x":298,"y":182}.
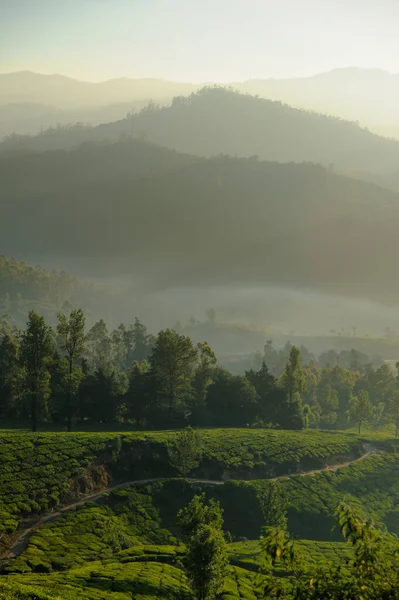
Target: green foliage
{"x":38,"y":470}
{"x":71,"y":332}
{"x":36,"y":352}
{"x":285,"y":192}
{"x":198,"y":513}
{"x":172,"y":361}
{"x":185,"y":451}
{"x":361,"y":409}
{"x":49,"y":464}
{"x":206,"y":561}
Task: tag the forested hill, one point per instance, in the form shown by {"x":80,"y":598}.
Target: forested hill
{"x":216,"y":120}
{"x":166,"y":218}
{"x":24,"y":287}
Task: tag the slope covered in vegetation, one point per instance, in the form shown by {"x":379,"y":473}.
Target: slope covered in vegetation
{"x":117,"y":199}
{"x":24,"y":287}
{"x":130,"y":542}
{"x":216,"y":120}
{"x":56,"y":467}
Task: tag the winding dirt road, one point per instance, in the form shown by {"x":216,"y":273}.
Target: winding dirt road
{"x":22,"y":541}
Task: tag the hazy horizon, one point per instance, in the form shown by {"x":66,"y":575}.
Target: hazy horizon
{"x":235,"y":40}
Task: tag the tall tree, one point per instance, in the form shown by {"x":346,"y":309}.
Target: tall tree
{"x":265,"y":384}
{"x":231,"y":400}
{"x":139,"y":393}
{"x":120,"y":342}
{"x":143,"y":342}
{"x":294,"y":385}
{"x":206,"y":559}
{"x":204,"y":374}
{"x":172,"y":363}
{"x":71,"y":334}
{"x":206,"y":562}
{"x":273,"y":506}
{"x":293,"y":379}
{"x":100,"y":344}
{"x":9,"y":374}
{"x":36,"y":351}
{"x":107,"y":390}
{"x":393,"y":411}
{"x":361,"y":409}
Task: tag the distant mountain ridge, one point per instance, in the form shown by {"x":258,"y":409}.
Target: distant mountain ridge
{"x":216,"y":121}
{"x":370,"y":96}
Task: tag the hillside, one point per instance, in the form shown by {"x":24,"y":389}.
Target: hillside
{"x":25,"y":287}
{"x":127,"y":540}
{"x":216,"y":121}
{"x":30,"y":102}
{"x":371,"y":95}
{"x":149,"y":208}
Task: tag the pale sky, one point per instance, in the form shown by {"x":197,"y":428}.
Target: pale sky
{"x":197,"y":40}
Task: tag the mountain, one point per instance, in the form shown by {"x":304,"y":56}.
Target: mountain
{"x":165,"y":219}
{"x":65,"y":93}
{"x":30,"y":102}
{"x":370,"y":96}
{"x":216,"y":121}
{"x":30,"y":119}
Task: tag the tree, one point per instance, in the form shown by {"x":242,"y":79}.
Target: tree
{"x":106,"y":390}
{"x":142,"y":341}
{"x":265,"y":384}
{"x":231,"y":400}
{"x":279,"y":551}
{"x":198,"y":512}
{"x":71,"y":332}
{"x":204,"y":373}
{"x":185,"y":451}
{"x":293,"y":379}
{"x":206,"y":562}
{"x":172,"y":362}
{"x":100,"y":343}
{"x":294,"y":385}
{"x":120,"y":342}
{"x":329,"y":404}
{"x":206,"y":558}
{"x":273,"y":506}
{"x":263,"y":381}
{"x":393,"y":411}
{"x":9,"y":374}
{"x":138,"y":395}
{"x":361,"y":409}
{"x":36,"y":352}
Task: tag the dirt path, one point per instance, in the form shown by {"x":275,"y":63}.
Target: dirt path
{"x":22,"y":541}
{"x":369,"y":451}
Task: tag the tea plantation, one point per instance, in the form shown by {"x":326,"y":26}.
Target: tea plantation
{"x":127,"y":544}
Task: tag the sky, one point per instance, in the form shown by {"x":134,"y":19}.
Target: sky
{"x":197,"y":40}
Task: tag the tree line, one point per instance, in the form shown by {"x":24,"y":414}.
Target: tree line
{"x":65,"y":374}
